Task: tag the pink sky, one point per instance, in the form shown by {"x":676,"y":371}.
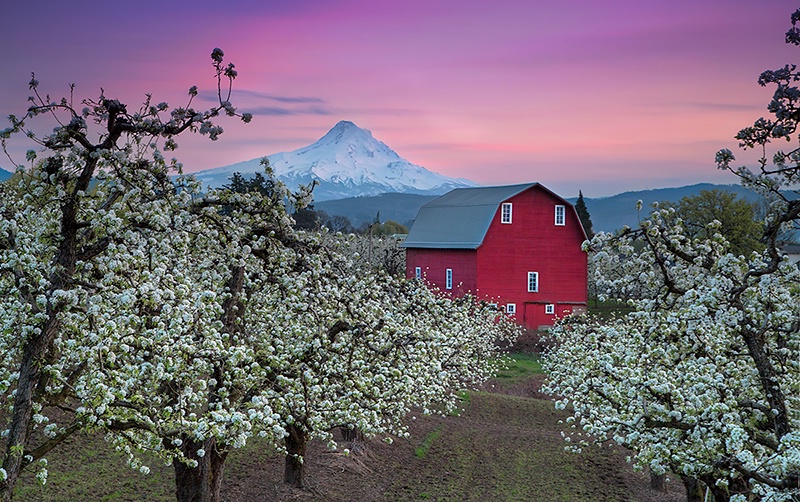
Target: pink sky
{"x":598,"y":96}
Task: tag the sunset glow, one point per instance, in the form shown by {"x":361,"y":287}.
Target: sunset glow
{"x":575,"y":94}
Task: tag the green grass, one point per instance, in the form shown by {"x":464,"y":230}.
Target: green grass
{"x":606,"y":309}
{"x":422,"y":450}
{"x":519,"y":366}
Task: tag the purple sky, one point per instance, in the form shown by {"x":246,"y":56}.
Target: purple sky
{"x":598,"y":96}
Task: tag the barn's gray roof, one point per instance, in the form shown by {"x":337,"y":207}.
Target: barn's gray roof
{"x":459,"y":219}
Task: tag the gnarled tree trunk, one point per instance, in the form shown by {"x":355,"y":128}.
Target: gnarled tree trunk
{"x":694,"y":489}
{"x":658,"y":482}
{"x":30,"y":374}
{"x":204,"y":482}
{"x":296,"y":442}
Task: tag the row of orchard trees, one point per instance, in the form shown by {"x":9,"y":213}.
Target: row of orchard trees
{"x":702,"y":378}
{"x":184,"y":323}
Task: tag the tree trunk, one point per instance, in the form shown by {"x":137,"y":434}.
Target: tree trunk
{"x":296,"y":442}
{"x":658,"y":482}
{"x":201,"y":483}
{"x":37,"y":348}
{"x":355,"y":437}
{"x":34,"y":355}
{"x":351,"y":434}
{"x":694,"y":489}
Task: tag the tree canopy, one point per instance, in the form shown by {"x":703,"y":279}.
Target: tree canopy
{"x":702,"y":378}
{"x":736,"y":218}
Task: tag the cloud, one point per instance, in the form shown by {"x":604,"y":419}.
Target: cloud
{"x":705,"y":105}
{"x":253,"y":102}
{"x":281,"y":99}
{"x":283,"y":111}
{"x":246,"y":95}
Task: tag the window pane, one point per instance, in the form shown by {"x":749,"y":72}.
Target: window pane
{"x":505,"y":212}
{"x":533,"y":282}
{"x":560,"y":215}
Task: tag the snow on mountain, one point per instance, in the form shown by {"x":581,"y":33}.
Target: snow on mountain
{"x":346,"y":162}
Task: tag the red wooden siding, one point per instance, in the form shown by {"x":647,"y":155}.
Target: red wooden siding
{"x":534,"y":243}
{"x":435,"y":262}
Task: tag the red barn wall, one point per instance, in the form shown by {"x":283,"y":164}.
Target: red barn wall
{"x":532,"y":242}
{"x":435,"y":262}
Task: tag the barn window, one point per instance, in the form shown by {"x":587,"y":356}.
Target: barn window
{"x":505,"y":212}
{"x":549,"y":309}
{"x":418,"y":272}
{"x":560,"y":215}
{"x":511,"y":308}
{"x":533,"y":282}
{"x":448,"y":283}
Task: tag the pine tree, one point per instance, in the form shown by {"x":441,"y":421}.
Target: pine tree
{"x":583,"y":214}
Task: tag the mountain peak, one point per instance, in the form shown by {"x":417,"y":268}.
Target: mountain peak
{"x":346,"y":162}
{"x":346,"y":131}
{"x":344,"y":125}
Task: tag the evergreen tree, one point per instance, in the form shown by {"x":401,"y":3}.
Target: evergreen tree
{"x":583,"y":214}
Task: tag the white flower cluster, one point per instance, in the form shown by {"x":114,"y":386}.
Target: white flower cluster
{"x":703,"y":376}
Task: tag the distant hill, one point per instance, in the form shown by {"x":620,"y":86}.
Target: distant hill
{"x":400,"y":207}
{"x":612,"y":213}
{"x":4,"y":175}
{"x":608,"y":213}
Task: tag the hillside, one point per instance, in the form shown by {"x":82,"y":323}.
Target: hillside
{"x":4,"y":175}
{"x":399,"y":207}
{"x":612,"y":213}
{"x":608,"y":213}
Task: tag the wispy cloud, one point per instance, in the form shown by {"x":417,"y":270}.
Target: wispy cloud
{"x":250,"y":96}
{"x":706,"y":105}
{"x":259,"y":103}
{"x":283,"y":111}
{"x":272,"y":97}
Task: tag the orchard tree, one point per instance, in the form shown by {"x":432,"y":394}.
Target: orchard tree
{"x":184,"y":374}
{"x":358,"y":349}
{"x":95,"y":189}
{"x":703,"y":378}
{"x":373,"y":253}
{"x":736,"y":217}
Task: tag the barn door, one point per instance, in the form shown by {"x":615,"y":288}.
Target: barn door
{"x":531,"y":318}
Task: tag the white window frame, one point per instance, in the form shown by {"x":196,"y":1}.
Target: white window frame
{"x":506,"y":209}
{"x":511,"y":308}
{"x":550,"y":309}
{"x":533,"y":282}
{"x":418,"y":272}
{"x":561,"y":215}
{"x":448,"y":279}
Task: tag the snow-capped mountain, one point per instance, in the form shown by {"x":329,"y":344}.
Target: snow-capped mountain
{"x":346,"y":162}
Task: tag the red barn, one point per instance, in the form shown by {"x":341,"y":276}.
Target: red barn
{"x":517,"y":245}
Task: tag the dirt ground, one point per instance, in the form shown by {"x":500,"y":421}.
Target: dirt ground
{"x":506,"y":445}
